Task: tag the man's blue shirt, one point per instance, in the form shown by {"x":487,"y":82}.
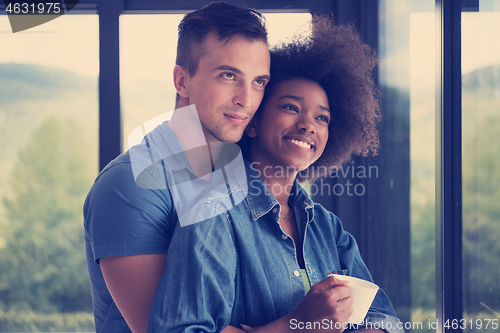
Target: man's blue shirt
{"x":126,"y":214}
{"x":240,"y":267}
{"x":136,"y":202}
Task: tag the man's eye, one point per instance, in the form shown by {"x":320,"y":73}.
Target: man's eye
{"x":229,"y":76}
{"x":260,"y":83}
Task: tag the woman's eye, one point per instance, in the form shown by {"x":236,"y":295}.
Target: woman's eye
{"x":229,"y":76}
{"x":291,"y":108}
{"x":324,"y":118}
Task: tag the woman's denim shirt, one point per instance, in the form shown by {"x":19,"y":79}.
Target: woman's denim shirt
{"x":240,"y":267}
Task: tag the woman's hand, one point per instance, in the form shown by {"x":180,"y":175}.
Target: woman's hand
{"x":328,"y":299}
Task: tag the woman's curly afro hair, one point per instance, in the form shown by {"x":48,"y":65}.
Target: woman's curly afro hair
{"x":335,"y":57}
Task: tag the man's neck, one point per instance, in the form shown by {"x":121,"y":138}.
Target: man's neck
{"x":201,"y":154}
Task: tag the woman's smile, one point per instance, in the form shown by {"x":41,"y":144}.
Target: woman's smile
{"x":301,"y":143}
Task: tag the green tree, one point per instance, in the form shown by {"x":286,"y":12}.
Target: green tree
{"x":42,"y":260}
{"x":481,"y":214}
{"x":423,"y":255}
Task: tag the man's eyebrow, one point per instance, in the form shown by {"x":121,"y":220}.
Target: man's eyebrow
{"x":228,"y":68}
{"x":300,"y":99}
{"x":239,"y":72}
{"x":263,"y":77}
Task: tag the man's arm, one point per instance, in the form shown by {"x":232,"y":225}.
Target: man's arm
{"x":132,"y":282}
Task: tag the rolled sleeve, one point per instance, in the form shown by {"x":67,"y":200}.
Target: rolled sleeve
{"x":121,"y":218}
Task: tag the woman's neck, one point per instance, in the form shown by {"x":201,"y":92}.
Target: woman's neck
{"x":279,"y":181}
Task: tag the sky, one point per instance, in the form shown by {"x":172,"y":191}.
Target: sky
{"x":148,"y":42}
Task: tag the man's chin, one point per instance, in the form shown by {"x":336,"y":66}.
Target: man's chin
{"x":232,"y":138}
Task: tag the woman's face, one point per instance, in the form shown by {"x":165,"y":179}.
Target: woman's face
{"x":292,"y":129}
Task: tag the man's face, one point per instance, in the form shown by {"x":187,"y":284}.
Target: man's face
{"x":228,"y":85}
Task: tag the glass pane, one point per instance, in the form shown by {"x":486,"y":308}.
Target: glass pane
{"x":147,"y":58}
{"x":48,"y":140}
{"x":481,"y":165}
{"x":407,"y":80}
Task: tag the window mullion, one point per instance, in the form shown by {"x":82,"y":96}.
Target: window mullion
{"x":448,"y":165}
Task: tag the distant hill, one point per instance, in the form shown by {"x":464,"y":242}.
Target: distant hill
{"x":486,"y":79}
{"x":23,"y":82}
{"x":31,"y":93}
{"x":480,"y":97}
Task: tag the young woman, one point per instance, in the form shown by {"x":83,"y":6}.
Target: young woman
{"x":253,"y":263}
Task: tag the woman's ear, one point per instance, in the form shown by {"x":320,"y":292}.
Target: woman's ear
{"x":251,"y":129}
{"x":180,"y":75}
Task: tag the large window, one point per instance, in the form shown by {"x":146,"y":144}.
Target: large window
{"x":48,"y":140}
{"x":407,"y":76}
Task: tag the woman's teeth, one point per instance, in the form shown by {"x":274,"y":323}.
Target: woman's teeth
{"x":301,"y":143}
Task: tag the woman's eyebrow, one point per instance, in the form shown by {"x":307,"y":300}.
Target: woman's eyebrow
{"x":297,"y":98}
{"x":300,"y":99}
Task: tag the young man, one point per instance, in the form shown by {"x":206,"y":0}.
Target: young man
{"x":221,"y":70}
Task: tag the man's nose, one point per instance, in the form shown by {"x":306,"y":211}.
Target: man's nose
{"x":243,"y":95}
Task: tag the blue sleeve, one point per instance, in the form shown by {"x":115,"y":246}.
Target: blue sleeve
{"x":122,"y":218}
{"x":197,"y":290}
{"x":381,"y":313}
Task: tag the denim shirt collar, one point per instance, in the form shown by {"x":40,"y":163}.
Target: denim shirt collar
{"x":261,"y":201}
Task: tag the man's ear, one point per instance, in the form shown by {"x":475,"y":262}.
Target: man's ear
{"x":180,"y":75}
{"x":251,"y":129}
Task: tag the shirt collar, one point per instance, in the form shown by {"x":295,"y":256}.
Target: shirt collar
{"x":261,"y":201}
